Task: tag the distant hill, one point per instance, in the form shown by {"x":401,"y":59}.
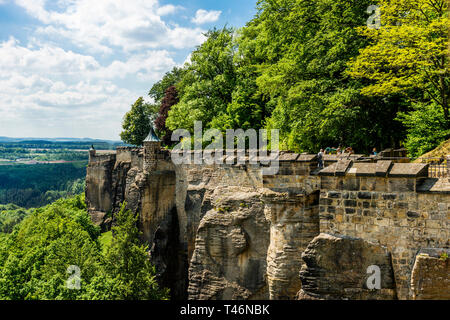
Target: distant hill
{"x":36,"y":140}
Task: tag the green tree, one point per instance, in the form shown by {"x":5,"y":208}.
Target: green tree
{"x":171,"y":78}
{"x":426,"y":128}
{"x":34,"y":259}
{"x":138,"y":121}
{"x":10,"y":216}
{"x":207,"y":84}
{"x":408,"y":55}
{"x":128,"y":274}
{"x":301,"y":48}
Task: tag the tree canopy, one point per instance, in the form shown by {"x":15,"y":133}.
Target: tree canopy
{"x":318,"y":72}
{"x":170,"y":98}
{"x":39,"y":256}
{"x":138,"y":121}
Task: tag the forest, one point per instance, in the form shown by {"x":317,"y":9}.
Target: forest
{"x":34,"y":173}
{"x":32,"y":186}
{"x":56,"y":253}
{"x":326,"y":73}
{"x":44,"y":150}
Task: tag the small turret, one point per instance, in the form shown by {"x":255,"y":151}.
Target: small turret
{"x":92,"y":152}
{"x":152,"y":147}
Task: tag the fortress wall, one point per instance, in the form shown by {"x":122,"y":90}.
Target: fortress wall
{"x":394,"y":206}
{"x":294,"y":223}
{"x":102,"y":157}
{"x":99,"y":193}
{"x":132,"y":155}
{"x":291,"y":206}
{"x":294,"y":177}
{"x":194,"y":187}
{"x":157,"y":201}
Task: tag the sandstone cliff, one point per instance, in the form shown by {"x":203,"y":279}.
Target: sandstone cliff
{"x":230,"y":232}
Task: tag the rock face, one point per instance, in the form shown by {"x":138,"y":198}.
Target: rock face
{"x":430,"y":278}
{"x":99,"y":195}
{"x":294,"y":222}
{"x":167,"y":257}
{"x":229,"y":261}
{"x":336,"y":268}
{"x":226,"y":231}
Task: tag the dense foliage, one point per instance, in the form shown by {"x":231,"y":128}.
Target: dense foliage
{"x":37,"y":185}
{"x":36,"y":258}
{"x":10,"y":216}
{"x":137,"y":122}
{"x":409,"y":56}
{"x":315,"y":70}
{"x":170,"y":98}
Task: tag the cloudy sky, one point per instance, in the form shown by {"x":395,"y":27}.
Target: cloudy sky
{"x":72,"y":68}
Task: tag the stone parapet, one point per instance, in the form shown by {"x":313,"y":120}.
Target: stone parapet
{"x":97,"y":157}
{"x":383,"y":168}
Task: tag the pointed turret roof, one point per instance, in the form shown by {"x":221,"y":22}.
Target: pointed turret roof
{"x":152,"y":137}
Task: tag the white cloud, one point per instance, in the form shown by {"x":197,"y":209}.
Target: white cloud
{"x":203,"y":16}
{"x":102,"y":24}
{"x":149,"y":66}
{"x":49,"y":89}
{"x":87,"y":61}
{"x":168,"y":9}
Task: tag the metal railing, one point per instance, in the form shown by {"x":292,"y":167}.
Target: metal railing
{"x":438,"y":167}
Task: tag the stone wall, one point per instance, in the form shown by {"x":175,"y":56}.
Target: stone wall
{"x":429,"y":279}
{"x":228,"y":232}
{"x":394,"y":205}
{"x":99,"y":192}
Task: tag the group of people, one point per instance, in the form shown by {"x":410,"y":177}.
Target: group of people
{"x":338,"y":151}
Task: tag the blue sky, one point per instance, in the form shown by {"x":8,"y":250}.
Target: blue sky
{"x":72,"y":68}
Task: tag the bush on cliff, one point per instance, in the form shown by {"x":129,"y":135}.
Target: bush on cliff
{"x":127,"y":273}
{"x":35,"y":258}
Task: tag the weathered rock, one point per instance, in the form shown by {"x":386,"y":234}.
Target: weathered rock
{"x":336,"y":269}
{"x":99,"y":190}
{"x":229,"y":260}
{"x":168,"y":259}
{"x":245,"y":244}
{"x":430,"y":279}
{"x":98,"y":217}
{"x":294,"y":222}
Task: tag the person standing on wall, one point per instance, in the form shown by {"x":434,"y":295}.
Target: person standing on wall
{"x":320,"y":158}
{"x":374,"y":152}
